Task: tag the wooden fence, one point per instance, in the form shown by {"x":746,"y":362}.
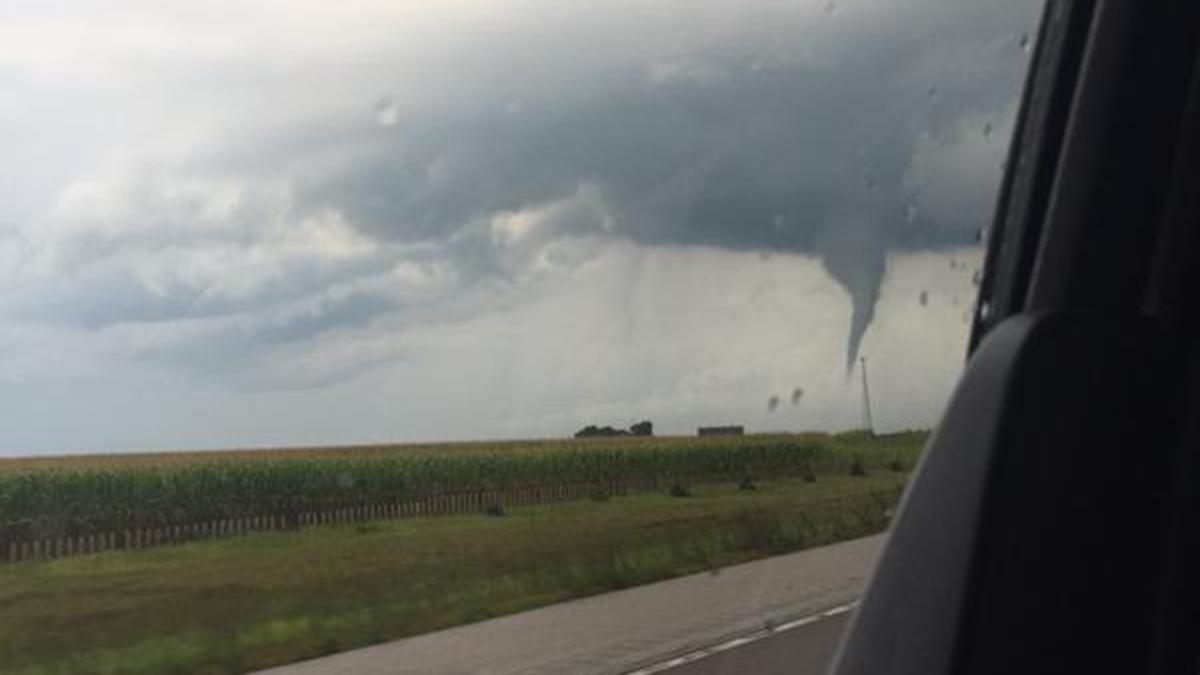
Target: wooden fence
{"x":45,"y":548}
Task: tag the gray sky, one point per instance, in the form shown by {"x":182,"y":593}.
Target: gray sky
{"x":230,"y":224}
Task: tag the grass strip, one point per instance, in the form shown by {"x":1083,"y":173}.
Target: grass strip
{"x":230,"y":606}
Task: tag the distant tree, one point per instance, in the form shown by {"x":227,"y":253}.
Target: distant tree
{"x":593,"y":431}
{"x":643,"y":428}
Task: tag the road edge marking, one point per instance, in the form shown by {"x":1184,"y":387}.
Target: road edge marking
{"x":733,"y":643}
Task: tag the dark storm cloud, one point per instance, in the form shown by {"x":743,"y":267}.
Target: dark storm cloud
{"x":723,"y":146}
{"x":352,"y":311}
{"x":771,"y":126}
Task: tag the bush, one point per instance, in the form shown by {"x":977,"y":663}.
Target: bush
{"x":494,"y":510}
{"x":897,"y":466}
{"x":808,"y":475}
{"x":747,"y":484}
{"x":599,"y":494}
{"x":857,"y":468}
{"x":680,"y":490}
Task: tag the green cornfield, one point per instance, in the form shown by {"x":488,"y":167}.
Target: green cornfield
{"x":62,"y":499}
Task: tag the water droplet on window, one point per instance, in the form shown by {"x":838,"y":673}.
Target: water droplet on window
{"x":932,"y":94}
{"x":385,"y":112}
{"x":871,"y":184}
{"x":954,"y":301}
{"x":830,"y":9}
{"x":977,"y":278}
{"x":797,"y":394}
{"x":923,"y":298}
{"x":1023,"y":43}
{"x":985,"y":310}
{"x":953,"y":264}
{"x":910,"y":214}
{"x":778,"y":221}
{"x":772,"y":403}
{"x":987,"y":130}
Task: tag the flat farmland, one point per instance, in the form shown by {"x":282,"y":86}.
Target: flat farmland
{"x":56,"y":506}
{"x":904,"y":443}
{"x":228,"y":604}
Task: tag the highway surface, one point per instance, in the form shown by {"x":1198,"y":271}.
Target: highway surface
{"x":758,"y":617}
{"x":807,"y":649}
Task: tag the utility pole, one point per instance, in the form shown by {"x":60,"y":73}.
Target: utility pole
{"x":867,"y":420}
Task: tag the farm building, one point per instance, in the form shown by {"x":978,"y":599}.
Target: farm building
{"x":729,"y":430}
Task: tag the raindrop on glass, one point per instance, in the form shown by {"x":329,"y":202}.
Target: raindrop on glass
{"x":385,"y":112}
{"x":981,"y":234}
{"x":977,"y":278}
{"x":1023,"y":43}
{"x":871,"y":184}
{"x":772,"y":403}
{"x":985,"y":310}
{"x":932,"y":94}
{"x":797,"y":394}
{"x":987,"y":130}
{"x":831,"y":9}
{"x":923,"y":298}
{"x":910,"y":214}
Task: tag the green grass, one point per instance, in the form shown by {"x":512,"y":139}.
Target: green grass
{"x":228,"y":606}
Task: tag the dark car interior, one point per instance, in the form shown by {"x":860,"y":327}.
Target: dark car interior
{"x":1051,"y":527}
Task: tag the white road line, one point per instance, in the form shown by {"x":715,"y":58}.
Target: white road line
{"x":739,"y":641}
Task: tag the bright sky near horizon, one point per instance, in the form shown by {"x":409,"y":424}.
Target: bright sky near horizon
{"x":234,"y":224}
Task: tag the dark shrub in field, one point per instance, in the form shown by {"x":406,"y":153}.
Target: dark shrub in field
{"x":747,"y":484}
{"x":680,"y":490}
{"x":897,"y":466}
{"x":494,"y":510}
{"x":857,"y":468}
{"x":808,"y":475}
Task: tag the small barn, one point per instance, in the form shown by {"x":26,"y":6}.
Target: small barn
{"x":728,"y":430}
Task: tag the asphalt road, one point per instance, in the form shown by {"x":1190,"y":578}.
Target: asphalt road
{"x":616,"y":633}
{"x":805,"y":650}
